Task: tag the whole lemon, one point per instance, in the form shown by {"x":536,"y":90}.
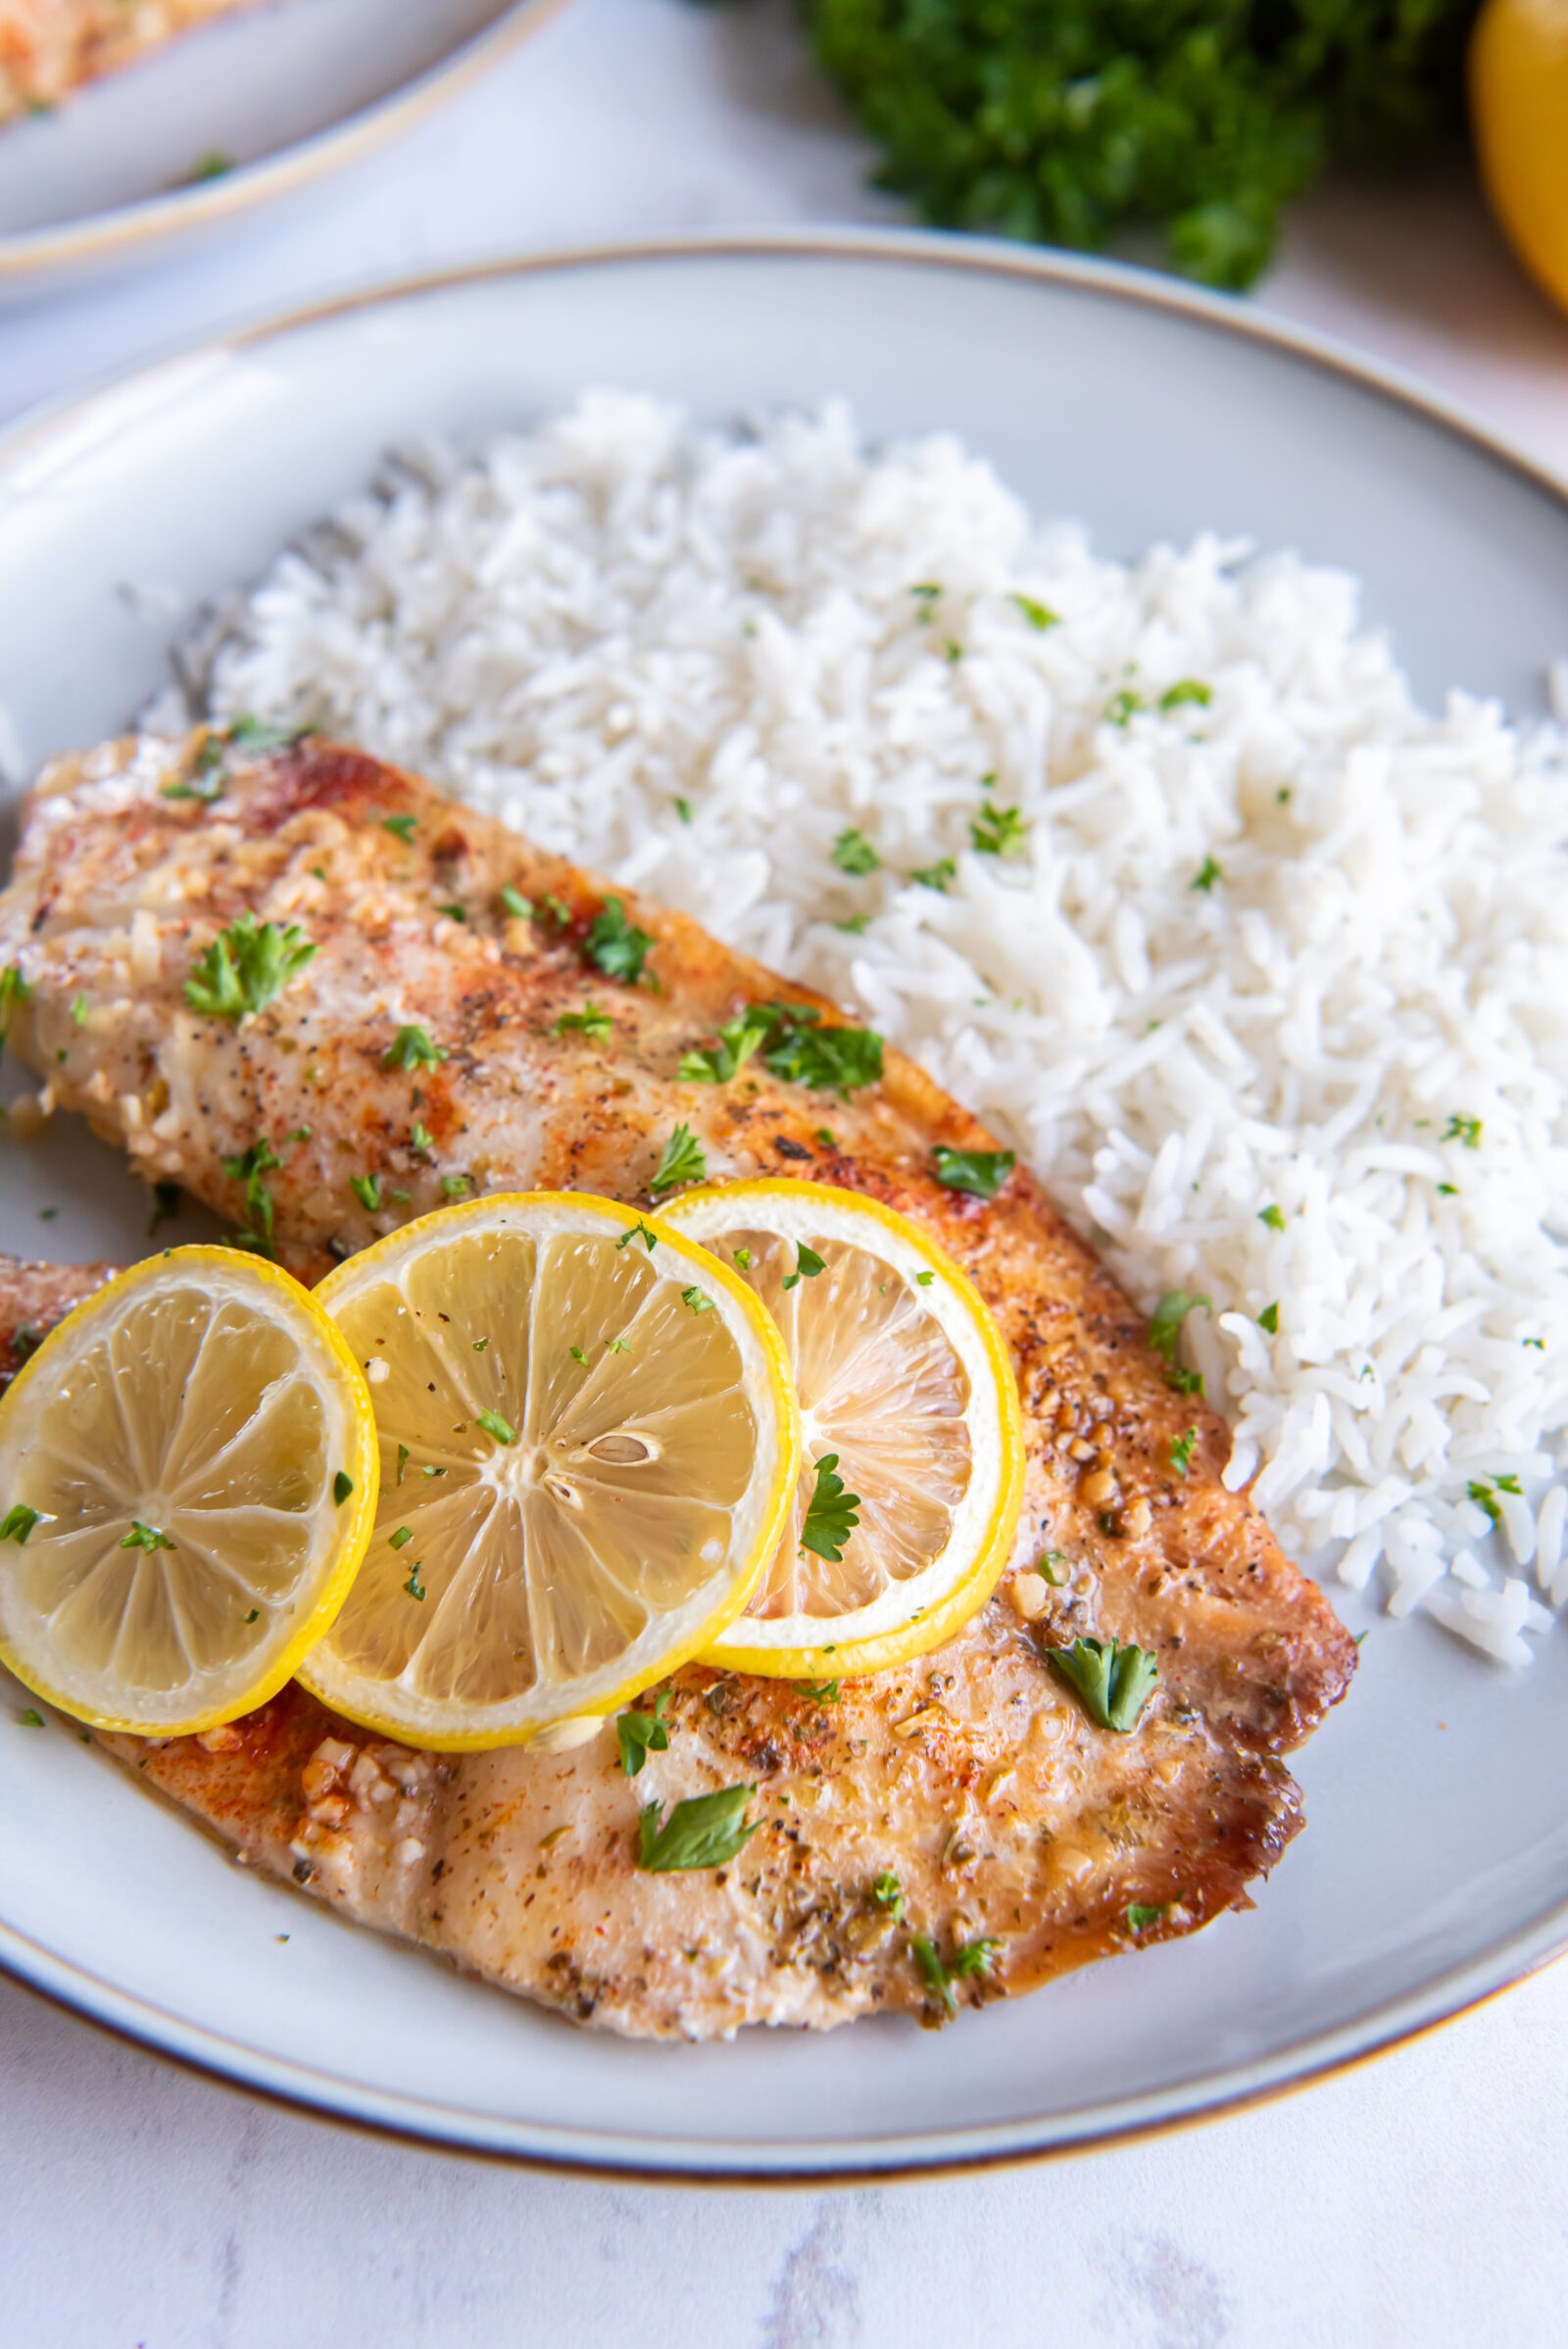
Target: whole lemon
{"x":1518,"y":73}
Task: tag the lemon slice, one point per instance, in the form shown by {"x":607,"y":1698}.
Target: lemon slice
{"x":589,"y":1444}
{"x":187,"y":1483}
{"x":903,"y":1375}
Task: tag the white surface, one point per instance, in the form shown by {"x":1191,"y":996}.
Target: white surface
{"x":1420,"y":2201}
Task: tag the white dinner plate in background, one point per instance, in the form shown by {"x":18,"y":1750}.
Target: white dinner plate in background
{"x":277,"y":94}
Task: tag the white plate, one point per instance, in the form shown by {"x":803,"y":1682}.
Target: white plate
{"x":285,"y":92}
{"x":1434,"y":1868}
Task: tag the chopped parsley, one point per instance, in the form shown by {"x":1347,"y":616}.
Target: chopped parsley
{"x":207,"y":778}
{"x":78,"y":1010}
{"x":18,"y":1523}
{"x":1047,"y":1564}
{"x":831,"y":1514}
{"x":591,"y":1022}
{"x":683,"y":809}
{"x":1186,"y":688}
{"x":935,"y":876}
{"x":998,"y":831}
{"x":981,"y":1173}
{"x":617,"y":948}
{"x":1273,"y":1216}
{"x":31,"y":1718}
{"x":403,"y":1536}
{"x":826,"y":1137}
{"x":1122,"y":706}
{"x":13,"y":992}
{"x":643,"y":1733}
{"x":888,"y":1893}
{"x":639,"y":1231}
{"x":422,"y":1139}
{"x":258,"y":734}
{"x":214,"y":165}
{"x":1207,"y":873}
{"x":550,"y":908}
{"x":454,"y":1186}
{"x":245,"y":967}
{"x":1462,"y":1129}
{"x":857,"y":925}
{"x":515,"y":903}
{"x":26,"y":1341}
{"x":738,"y":1039}
{"x":1112,"y":1682}
{"x":854,"y":854}
{"x":807,"y":1264}
{"x":1038,"y":616}
{"x":452,"y":912}
{"x":576,"y":1352}
{"x":366,"y":1189}
{"x":932,"y":1971}
{"x":149,"y":1538}
{"x":259,"y":1160}
{"x":1269,"y":1319}
{"x":1182,"y":1449}
{"x":976,"y":1957}
{"x":1164,"y":1332}
{"x":925,"y":594}
{"x":403,"y":826}
{"x":682,"y":1161}
{"x":342,"y":1487}
{"x":1483,"y":1490}
{"x":412,"y":1048}
{"x":698,"y":1300}
{"x":414,"y":1587}
{"x":705,"y":1832}
{"x":1141,"y":1916}
{"x":494,"y":1425}
{"x":820,"y":1691}
{"x":403,"y":1461}
{"x":924,"y":1279}
{"x":800,"y":1049}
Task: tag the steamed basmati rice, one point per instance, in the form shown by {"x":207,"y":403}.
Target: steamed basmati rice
{"x":1260,"y":966}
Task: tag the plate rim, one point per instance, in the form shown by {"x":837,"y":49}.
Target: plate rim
{"x":1511,"y":1958}
{"x":131,"y":228}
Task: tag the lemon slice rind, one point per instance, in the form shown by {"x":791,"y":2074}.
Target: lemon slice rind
{"x":395,"y":1707}
{"x":289,"y":1622}
{"x":908,"y":1618}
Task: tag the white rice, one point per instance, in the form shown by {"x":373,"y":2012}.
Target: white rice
{"x":1361,"y":1022}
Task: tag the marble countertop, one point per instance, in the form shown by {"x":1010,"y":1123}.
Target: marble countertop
{"x":1419,"y":2200}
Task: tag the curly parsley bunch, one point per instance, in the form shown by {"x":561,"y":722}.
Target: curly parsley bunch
{"x":1064,"y":120}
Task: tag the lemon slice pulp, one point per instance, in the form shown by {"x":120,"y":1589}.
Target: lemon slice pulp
{"x":903,"y":1378}
{"x":588,"y":1443}
{"x":187,"y":1480}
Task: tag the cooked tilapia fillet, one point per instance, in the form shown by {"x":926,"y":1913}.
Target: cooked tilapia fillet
{"x":973,"y":1776}
{"x":49,"y":48}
